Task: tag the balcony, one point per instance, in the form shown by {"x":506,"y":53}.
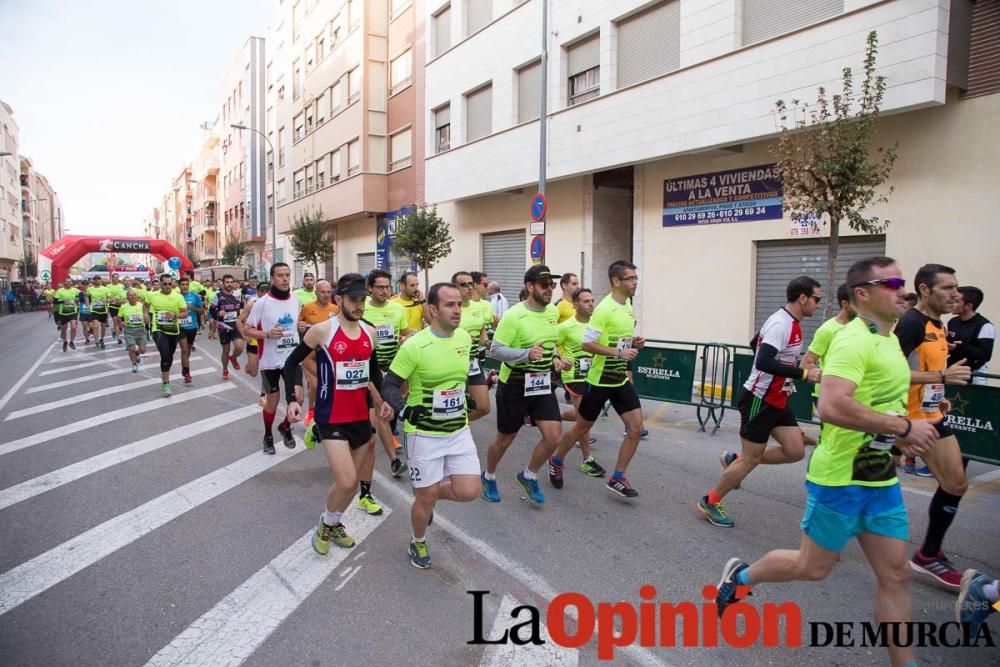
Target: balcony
{"x":211,"y":252}
{"x":209,"y":222}
{"x":24,"y":181}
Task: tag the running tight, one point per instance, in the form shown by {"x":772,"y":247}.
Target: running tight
{"x":167,"y":346}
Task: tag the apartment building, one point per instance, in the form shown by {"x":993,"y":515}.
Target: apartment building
{"x":647,"y":99}
{"x":344,"y":89}
{"x":11,"y":249}
{"x":176,"y":212}
{"x":38,"y":210}
{"x":206,"y":230}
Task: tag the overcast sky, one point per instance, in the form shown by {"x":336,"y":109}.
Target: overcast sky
{"x":109,"y":94}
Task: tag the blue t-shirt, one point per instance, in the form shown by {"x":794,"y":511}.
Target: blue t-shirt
{"x":191,"y":321}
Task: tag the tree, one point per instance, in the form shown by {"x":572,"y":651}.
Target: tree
{"x":234,"y":253}
{"x":310,"y":239}
{"x":825,"y":160}
{"x":29,"y":266}
{"x":424,"y":237}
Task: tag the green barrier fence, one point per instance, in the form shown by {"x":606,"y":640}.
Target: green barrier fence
{"x":975,"y":420}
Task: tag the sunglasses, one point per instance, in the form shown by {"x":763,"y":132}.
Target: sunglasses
{"x":466,"y":284}
{"x":815,"y":298}
{"x":546,"y":284}
{"x":889,"y":283}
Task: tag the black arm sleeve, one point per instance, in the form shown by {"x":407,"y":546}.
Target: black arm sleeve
{"x":392,"y":391}
{"x":980,"y":352}
{"x":910,"y":331}
{"x":375,"y":373}
{"x":767,"y":361}
{"x":297,"y":356}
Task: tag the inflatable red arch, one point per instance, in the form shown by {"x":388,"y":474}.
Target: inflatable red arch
{"x":61,"y":255}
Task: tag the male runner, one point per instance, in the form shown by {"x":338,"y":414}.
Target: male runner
{"x":610,"y":337}
{"x":852,"y":489}
{"x":763,"y":406}
{"x":348,"y":374}
{"x":307,"y":293}
{"x":439,"y":445}
{"x":525,"y":342}
{"x":924,"y":342}
{"x":272,"y":323}
{"x":209,"y":298}
{"x":189,"y":325}
{"x":116,"y":297}
{"x":133,"y":315}
{"x":47,"y":293}
{"x":569,"y":284}
{"x":410,"y":299}
{"x":474,"y":321}
{"x":313,"y":313}
{"x":225,"y":310}
{"x":574,"y":380}
{"x":241,"y":325}
{"x":391,"y":328}
{"x":66,"y":303}
{"x":166,"y":308}
{"x":97,"y":300}
{"x":193,"y":284}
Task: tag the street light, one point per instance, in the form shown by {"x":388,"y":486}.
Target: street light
{"x":274,"y":190}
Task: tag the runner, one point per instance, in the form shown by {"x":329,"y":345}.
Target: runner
{"x":852,"y":489}
{"x":272,"y":323}
{"x":525,"y":342}
{"x":569,"y":284}
{"x":574,"y":380}
{"x":47,"y":293}
{"x":195,"y":286}
{"x":241,"y":325}
{"x":977,"y":599}
{"x":924,"y":341}
{"x":166,"y":308}
{"x":133,"y":314}
{"x":313,"y":313}
{"x":820,"y":344}
{"x":349,"y":375}
{"x":66,"y":302}
{"x":439,"y":445}
{"x":189,"y":325}
{"x":209,"y":298}
{"x":474,"y":321}
{"x":307,"y":293}
{"x":225,"y":310}
{"x":391,"y":329}
{"x":116,"y":297}
{"x":763,"y":406}
{"x":610,"y":337}
{"x":410,"y":299}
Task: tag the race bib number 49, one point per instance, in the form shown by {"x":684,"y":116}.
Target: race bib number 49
{"x":931,"y":398}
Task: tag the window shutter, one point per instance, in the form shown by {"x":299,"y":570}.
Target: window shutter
{"x":442,"y":31}
{"x":479,"y":113}
{"x":763,"y":19}
{"x":529,"y":83}
{"x":584,"y":55}
{"x":649,"y":43}
{"x":478,"y":14}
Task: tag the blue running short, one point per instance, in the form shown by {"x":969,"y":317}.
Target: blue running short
{"x":836,"y":514}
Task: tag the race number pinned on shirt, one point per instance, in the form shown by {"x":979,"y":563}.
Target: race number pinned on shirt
{"x":932,"y":397}
{"x":164,"y":317}
{"x":584,"y":366}
{"x":448,"y":403}
{"x":624,"y":343}
{"x":385,"y":333}
{"x":352,"y":375}
{"x":186,"y":321}
{"x":229,"y":316}
{"x":473,"y":366}
{"x":97,"y":304}
{"x":287,"y":341}
{"x":537,"y":384}
{"x":135,"y":320}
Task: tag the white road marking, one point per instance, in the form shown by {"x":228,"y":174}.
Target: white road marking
{"x":92,"y":356}
{"x":85,"y":378}
{"x":349,"y":577}
{"x":238,"y":625}
{"x":985,"y":478}
{"x":103,"y":419}
{"x":918,"y":491}
{"x":24,"y":378}
{"x":506,"y":564}
{"x":86,"y":364}
{"x":44,"y":571}
{"x":71,"y":473}
{"x":548,"y":654}
{"x":97,"y":393}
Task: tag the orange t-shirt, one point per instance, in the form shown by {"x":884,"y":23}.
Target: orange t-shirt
{"x":313,"y":313}
{"x":924,"y":341}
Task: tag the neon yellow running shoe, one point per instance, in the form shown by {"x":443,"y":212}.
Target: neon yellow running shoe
{"x":310,"y":437}
{"x":368,"y":504}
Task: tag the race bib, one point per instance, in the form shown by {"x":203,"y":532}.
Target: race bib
{"x":352,"y":375}
{"x":585,"y":364}
{"x":624,"y":343}
{"x":97,"y":305}
{"x":884,"y":441}
{"x":537,"y":384}
{"x":70,"y":303}
{"x":164,"y":317}
{"x":229,"y":316}
{"x":385,"y":333}
{"x":287,"y":342}
{"x":187,"y":322}
{"x":789,"y":386}
{"x":135,"y":320}
{"x":932,"y":396}
{"x":474,"y":366}
{"x":448,"y":403}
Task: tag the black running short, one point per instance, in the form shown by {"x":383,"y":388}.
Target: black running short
{"x":758,"y":418}
{"x":623,"y":399}
{"x":227,"y":336}
{"x":513,"y":407}
{"x":477,"y":380}
{"x":575,"y":389}
{"x":113,"y":311}
{"x":99,"y":317}
{"x":189,"y":335}
{"x":357,"y":434}
{"x":65,"y":319}
{"x":943,"y":430}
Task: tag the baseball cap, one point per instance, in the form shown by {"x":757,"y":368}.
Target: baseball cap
{"x":537,"y":272}
{"x":352,"y":284}
{"x":263,"y":286}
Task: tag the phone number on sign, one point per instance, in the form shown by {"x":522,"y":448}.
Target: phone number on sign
{"x":720,"y":215}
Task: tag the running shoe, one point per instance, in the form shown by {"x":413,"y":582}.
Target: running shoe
{"x":187,"y":378}
{"x":324,"y":534}
{"x":642,"y":435}
{"x":555,"y":474}
{"x":397,"y":467}
{"x":269,"y":444}
{"x":65,"y":345}
{"x":120,"y":341}
{"x":716,"y":514}
{"x":923,"y":471}
{"x":972,"y":606}
{"x":225,"y":375}
{"x":531,"y":488}
{"x":591,"y":467}
{"x":72,"y":345}
{"x":419,"y":556}
{"x":100,"y":344}
{"x":167,"y":391}
{"x":368,"y":504}
{"x":286,"y":436}
{"x":135,"y":368}
{"x":938,"y":568}
{"x":910,"y":465}
{"x":621,"y":487}
{"x":234,"y":362}
{"x":490,"y":490}
{"x":728,"y":589}
{"x":310,"y":437}
{"x":726,"y":458}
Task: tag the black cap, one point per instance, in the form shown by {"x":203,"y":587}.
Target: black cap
{"x":352,"y":284}
{"x":263,"y":286}
{"x":537,"y":272}
{"x":307,"y":274}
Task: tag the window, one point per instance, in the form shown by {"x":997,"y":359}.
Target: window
{"x":583,"y":69}
{"x":299,"y":184}
{"x":320,"y":106}
{"x":354,"y":84}
{"x":335,"y":32}
{"x":479,"y":113}
{"x":281,"y":147}
{"x":296,"y":80}
{"x":299,"y":126}
{"x":529,"y":84}
{"x":281,"y":92}
{"x":321,"y":173}
{"x":763,"y":19}
{"x":296,"y":22}
{"x":309,"y":119}
{"x":354,"y":13}
{"x":336,"y":98}
{"x":335,"y":166}
{"x":309,"y":179}
{"x":353,"y":157}
{"x":399,"y":5}
{"x":400,"y":71}
{"x":267,"y":77}
{"x":477,"y":14}
{"x":442,"y":31}
{"x":320,"y":49}
{"x":649,"y":43}
{"x":400,"y":149}
{"x":281,"y":191}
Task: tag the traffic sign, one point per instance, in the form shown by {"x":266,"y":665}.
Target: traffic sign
{"x":175,"y":274}
{"x":537,"y":248}
{"x":45,"y":275}
{"x":536,"y":228}
{"x":539,"y":206}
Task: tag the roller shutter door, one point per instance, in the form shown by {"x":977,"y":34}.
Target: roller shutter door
{"x":763,"y":19}
{"x":366,"y":262}
{"x":505,"y":259}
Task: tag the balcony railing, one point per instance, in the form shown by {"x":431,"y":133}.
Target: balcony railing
{"x":209,"y":221}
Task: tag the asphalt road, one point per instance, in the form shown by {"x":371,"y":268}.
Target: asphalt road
{"x":136,"y":529}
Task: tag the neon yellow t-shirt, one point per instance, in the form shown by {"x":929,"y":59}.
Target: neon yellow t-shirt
{"x":164,"y":311}
{"x":473,"y":321}
{"x":304,"y":297}
{"x":116,"y":294}
{"x":98,"y":299}
{"x":570,"y":346}
{"x":132,"y":316}
{"x":616,"y":322}
{"x":821,"y":342}
{"x":522,"y":328}
{"x":437,"y":369}
{"x":389,"y":321}
{"x":66,"y":300}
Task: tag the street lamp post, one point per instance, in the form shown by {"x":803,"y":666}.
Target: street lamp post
{"x":274,"y":190}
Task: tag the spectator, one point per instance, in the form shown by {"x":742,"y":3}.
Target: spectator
{"x":499,"y":301}
{"x":11,"y":300}
{"x":911,"y":300}
{"x":970,"y":335}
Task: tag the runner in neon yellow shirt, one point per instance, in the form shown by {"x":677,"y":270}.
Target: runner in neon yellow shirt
{"x":166,"y":308}
{"x":474,"y":321}
{"x":97,"y":298}
{"x":66,"y":304}
{"x":133,"y":316}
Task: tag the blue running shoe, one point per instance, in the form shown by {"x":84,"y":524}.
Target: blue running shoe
{"x":531,"y":488}
{"x":972,"y":607}
{"x":727,"y":586}
{"x":490,"y":490}
{"x":923,"y":471}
